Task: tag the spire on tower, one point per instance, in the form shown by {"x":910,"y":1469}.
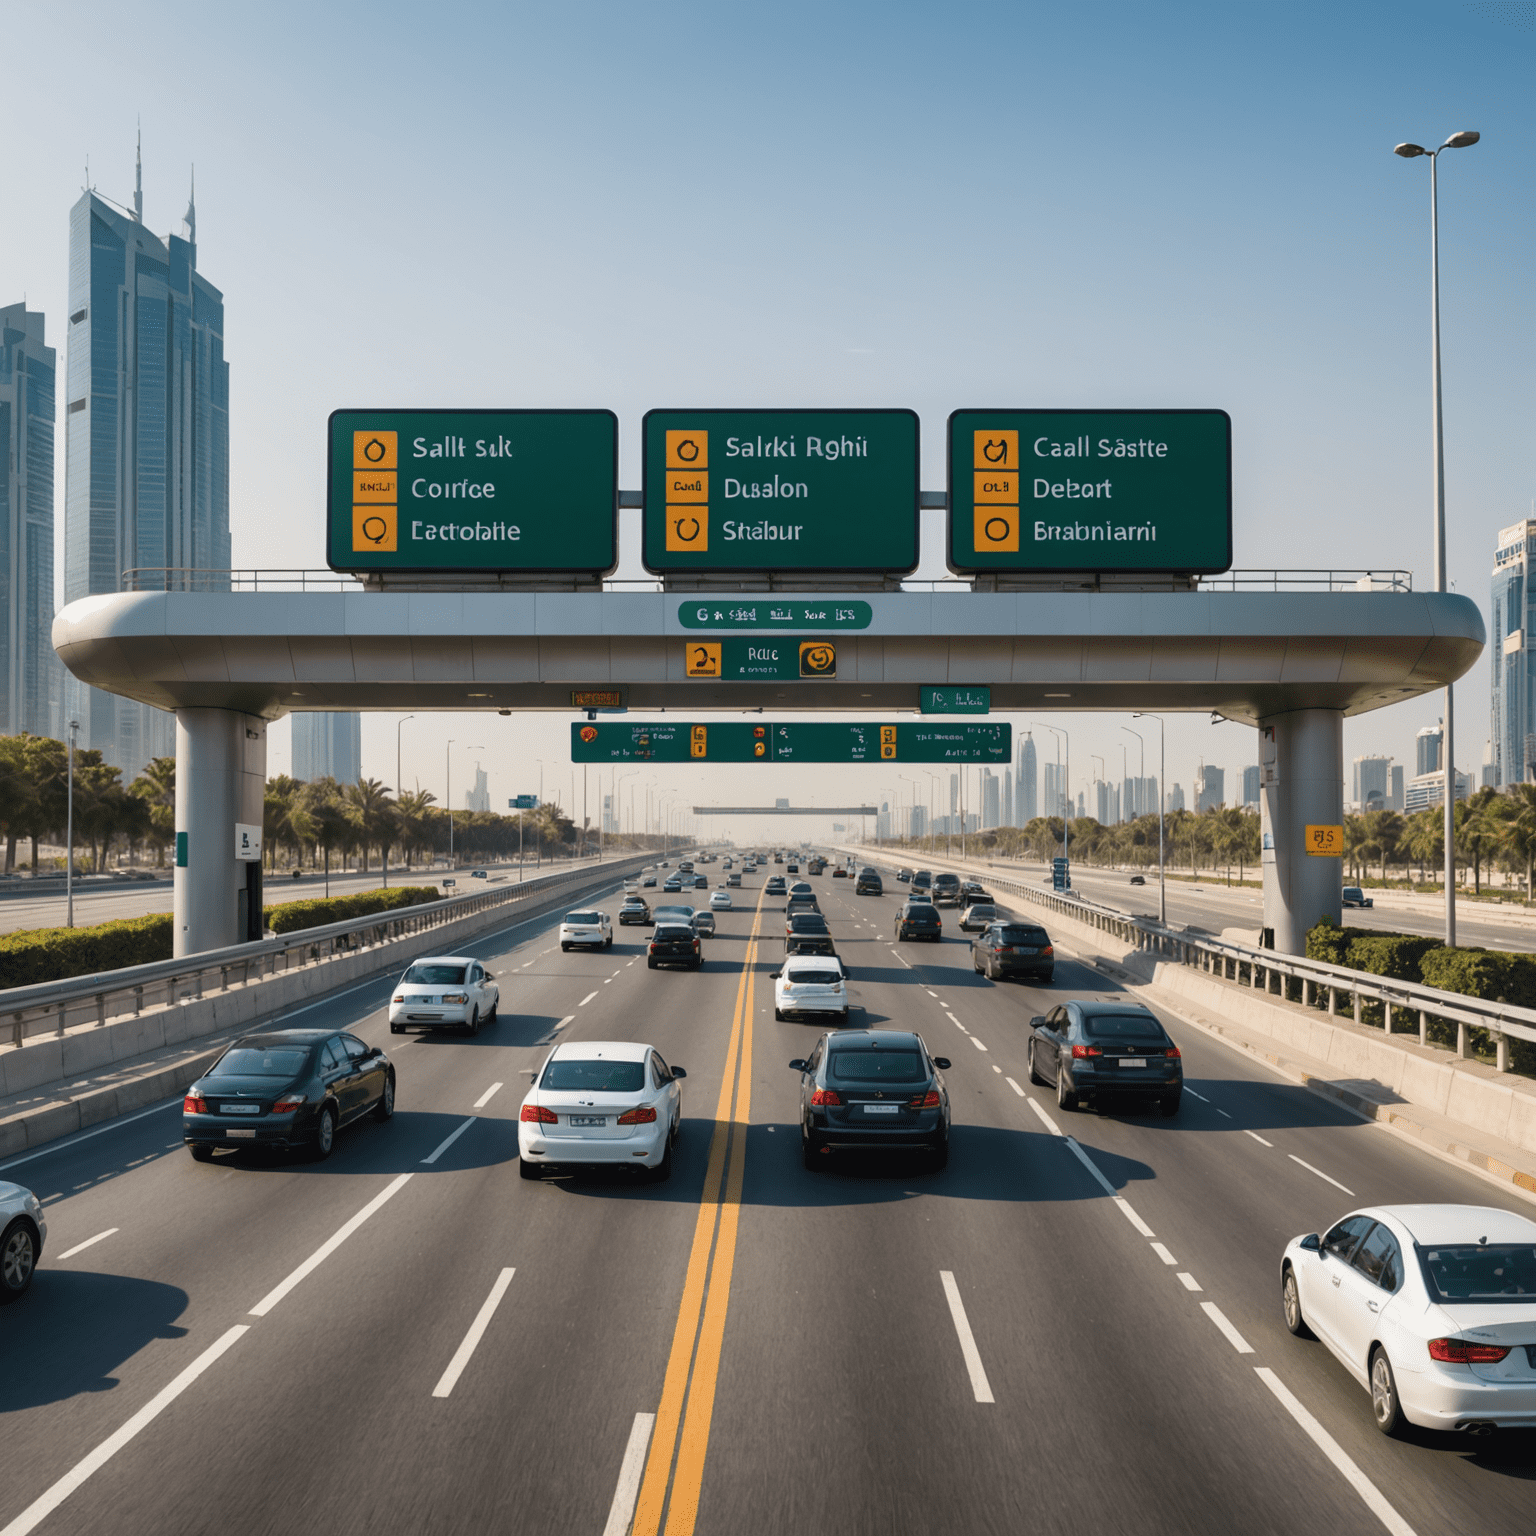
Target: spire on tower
{"x":138,"y":180}
{"x":191,"y":219}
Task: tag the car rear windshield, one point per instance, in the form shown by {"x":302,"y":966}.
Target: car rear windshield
{"x":435,"y":976}
{"x":604,"y":1076}
{"x":1122,"y":1026}
{"x":252,"y":1061}
{"x":1496,"y":1272}
{"x":591,"y":918}
{"x":1013,"y":934}
{"x":808,"y":922}
{"x":924,"y":910}
{"x":946,"y":879}
{"x":813,"y":978}
{"x":983,"y":909}
{"x":877,"y":1067}
{"x":672,"y":933}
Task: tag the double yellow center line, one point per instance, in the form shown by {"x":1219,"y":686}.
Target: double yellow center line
{"x":688,"y":1389}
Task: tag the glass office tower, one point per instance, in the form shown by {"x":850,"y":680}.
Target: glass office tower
{"x":1509,"y":655}
{"x":328,"y":745}
{"x":146,"y":427}
{"x":1026,"y":799}
{"x":31,"y":678}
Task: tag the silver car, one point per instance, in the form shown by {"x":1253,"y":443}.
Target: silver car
{"x":22,"y":1235}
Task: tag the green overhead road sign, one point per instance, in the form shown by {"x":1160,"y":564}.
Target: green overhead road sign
{"x":1092,"y":491}
{"x":733,"y":742}
{"x":955,"y":701}
{"x":473,"y":491}
{"x":523,"y":803}
{"x":780,"y":491}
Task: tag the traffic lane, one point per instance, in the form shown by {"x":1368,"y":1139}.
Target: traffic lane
{"x":1230,"y":1187}
{"x":361,"y":1354}
{"x":838,"y":1305}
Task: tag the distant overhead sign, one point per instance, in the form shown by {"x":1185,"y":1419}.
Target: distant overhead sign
{"x":781,"y":490}
{"x":955,"y":701}
{"x":677,"y":741}
{"x":511,"y":491}
{"x":1092,"y":491}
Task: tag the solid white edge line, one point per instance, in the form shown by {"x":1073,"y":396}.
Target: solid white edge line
{"x":69,"y":1253}
{"x":1163,"y":1254}
{"x":449,"y":1141}
{"x":1258,"y":1138}
{"x":979,"y":1383}
{"x":42,"y":1507}
{"x":327,"y":1248}
{"x":1368,"y":1491}
{"x":1088,"y":1163}
{"x":1129,"y":1212}
{"x":1319,"y":1172}
{"x":1189,"y":1282}
{"x":486,"y":1097}
{"x":587,"y":999}
{"x":476,"y":1332}
{"x":1015,"y":1087}
{"x":622,"y":1510}
{"x":1045,"y":1119}
{"x":1233,"y":1337}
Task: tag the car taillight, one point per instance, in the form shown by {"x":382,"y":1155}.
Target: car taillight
{"x":1173,"y":1053}
{"x":1080,"y":1051}
{"x":194,"y":1104}
{"x":642,"y":1116}
{"x":929,"y":1100}
{"x":538,"y":1115}
{"x":288,"y":1104}
{"x":695,"y":945}
{"x":1462,"y":1352}
{"x":826,"y":1096}
{"x":399,"y":999}
{"x":1050,"y":949}
{"x":456,"y":997}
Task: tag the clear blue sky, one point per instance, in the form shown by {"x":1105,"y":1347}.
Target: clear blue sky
{"x":871,"y":204}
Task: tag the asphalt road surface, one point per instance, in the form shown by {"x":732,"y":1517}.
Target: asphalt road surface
{"x":1075,"y":1327}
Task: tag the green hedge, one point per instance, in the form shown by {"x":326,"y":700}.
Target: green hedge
{"x":291,"y":916}
{"x":50,"y":954}
{"x":1398,"y":955}
{"x":1492,"y":974}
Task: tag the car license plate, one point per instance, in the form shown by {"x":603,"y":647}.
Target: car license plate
{"x":242,"y":1132}
{"x":881,"y":1109}
{"x":239,"y":1109}
{"x":1024,"y":949}
{"x":589,"y":1120}
{"x":1133,"y":1061}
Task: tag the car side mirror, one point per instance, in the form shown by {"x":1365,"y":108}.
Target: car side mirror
{"x":679,"y":1071}
{"x":942,"y":1063}
{"x":1312,"y":1243}
{"x":797,"y":1065}
{"x":378,"y":1050}
{"x":1038,"y":1022}
{"x":774,"y":975}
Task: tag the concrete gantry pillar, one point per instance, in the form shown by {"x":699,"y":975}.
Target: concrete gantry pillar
{"x":1303,"y":757}
{"x":221,"y":775}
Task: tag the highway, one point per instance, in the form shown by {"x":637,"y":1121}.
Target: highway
{"x":1075,"y":1327}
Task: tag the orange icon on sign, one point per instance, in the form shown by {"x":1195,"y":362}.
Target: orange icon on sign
{"x":996,"y":529}
{"x":375,"y":450}
{"x":996,"y":450}
{"x":687,"y":450}
{"x":589,"y":733}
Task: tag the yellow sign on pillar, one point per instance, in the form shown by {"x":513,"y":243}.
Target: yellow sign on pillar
{"x":702,"y":658}
{"x":1325,"y":842}
{"x":888,"y":742}
{"x":698,"y":741}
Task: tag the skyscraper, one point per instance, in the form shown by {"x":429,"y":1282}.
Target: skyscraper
{"x":1054,"y":799}
{"x":1510,"y":645}
{"x":1210,"y":787}
{"x":1008,"y":820}
{"x":328,"y":746}
{"x":30,"y":675}
{"x":1426,"y":749}
{"x":1373,"y":783}
{"x":991,"y":799}
{"x":146,"y":431}
{"x":1251,"y":785}
{"x":478,"y":798}
{"x":1026,"y":793}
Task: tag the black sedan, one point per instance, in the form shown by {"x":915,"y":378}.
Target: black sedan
{"x":673,"y":944}
{"x":1013,"y":949}
{"x":1093,"y":1051}
{"x":807,"y":933}
{"x":872,"y":1089}
{"x":919,"y":920}
{"x":290,"y":1089}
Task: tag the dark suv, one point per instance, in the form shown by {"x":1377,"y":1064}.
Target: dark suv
{"x":1013,"y":949}
{"x":919,"y":920}
{"x":673,"y":944}
{"x":872,"y":1089}
{"x":807,"y":933}
{"x":868,"y":883}
{"x":946,"y":890}
{"x":1092,"y":1051}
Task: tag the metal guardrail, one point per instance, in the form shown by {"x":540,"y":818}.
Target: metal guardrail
{"x":1308,"y":581}
{"x":1314,"y":980}
{"x":183,"y":578}
{"x":54,"y":1007}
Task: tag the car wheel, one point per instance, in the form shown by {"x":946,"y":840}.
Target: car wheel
{"x":565,"y":949}
{"x":1034,"y":1075}
{"x":527,"y":1170}
{"x":778,"y":1015}
{"x":1290,"y":1302}
{"x":385,"y":1108}
{"x":397,"y":1029}
{"x":809,"y":1156}
{"x":975,"y":965}
{"x":663,"y":1170}
{"x":1065,"y":1098}
{"x":650,"y":965}
{"x":201,"y":1154}
{"x":18,"y":1259}
{"x":324,"y":1137}
{"x":1050,"y":976}
{"x":940,"y":1156}
{"x":1385,"y":1406}
{"x":1169,"y":1105}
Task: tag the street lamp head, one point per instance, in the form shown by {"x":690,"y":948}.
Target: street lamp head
{"x":1409,"y":151}
{"x":1463,"y":140}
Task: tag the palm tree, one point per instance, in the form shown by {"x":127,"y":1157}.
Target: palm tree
{"x":1424,"y":839}
{"x":1380,"y":831}
{"x":156,"y":787}
{"x":327,"y":812}
{"x":369,"y":806}
{"x":411,"y":822}
{"x":1519,"y":826}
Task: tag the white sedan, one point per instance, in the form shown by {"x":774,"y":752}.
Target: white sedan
{"x":1431,"y":1308}
{"x":444,"y":989}
{"x":815,"y":984}
{"x":721,"y":901}
{"x":588,"y":929}
{"x":22,"y":1235}
{"x":601,"y":1101}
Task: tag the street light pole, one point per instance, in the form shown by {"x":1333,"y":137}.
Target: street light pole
{"x":448,"y":796}
{"x":1463,"y":140}
{"x":399,"y":782}
{"x":69,"y":835}
{"x":1066,"y":782}
{"x":1162,"y":787}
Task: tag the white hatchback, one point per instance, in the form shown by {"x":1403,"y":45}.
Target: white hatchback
{"x":444,"y":989}
{"x":721,"y":901}
{"x":587,"y":929}
{"x":814,"y":984}
{"x":601,"y":1101}
{"x":1431,"y":1308}
{"x":23,"y":1231}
